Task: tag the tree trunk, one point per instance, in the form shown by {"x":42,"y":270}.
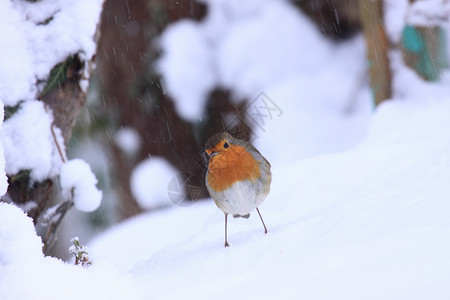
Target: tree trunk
{"x":371,"y":12}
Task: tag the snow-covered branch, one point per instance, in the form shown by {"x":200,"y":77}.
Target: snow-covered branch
{"x":47,"y":52}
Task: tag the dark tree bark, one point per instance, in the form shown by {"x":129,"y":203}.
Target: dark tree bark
{"x":336,"y":19}
{"x":66,"y":98}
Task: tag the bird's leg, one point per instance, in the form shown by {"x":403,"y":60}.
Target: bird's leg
{"x":265,"y":228}
{"x":226,"y":242}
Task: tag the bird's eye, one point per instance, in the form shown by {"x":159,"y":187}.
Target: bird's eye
{"x":226,"y":145}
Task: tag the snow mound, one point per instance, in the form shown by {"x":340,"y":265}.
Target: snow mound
{"x":18,"y":239}
{"x":76,"y":178}
{"x":26,"y":274}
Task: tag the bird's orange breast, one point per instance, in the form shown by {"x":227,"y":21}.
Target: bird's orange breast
{"x":227,"y":167}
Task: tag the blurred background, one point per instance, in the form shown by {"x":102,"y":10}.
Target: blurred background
{"x":298,"y":78}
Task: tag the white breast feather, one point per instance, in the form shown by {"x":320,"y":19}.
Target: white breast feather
{"x":241,"y":198}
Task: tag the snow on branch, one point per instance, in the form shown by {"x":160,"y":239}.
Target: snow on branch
{"x":429,"y":12}
{"x":47,"y":48}
{"x":28,"y":142}
{"x":38,"y":35}
{"x":78,"y":181}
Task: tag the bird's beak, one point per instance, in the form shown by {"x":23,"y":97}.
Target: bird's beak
{"x":210,"y":153}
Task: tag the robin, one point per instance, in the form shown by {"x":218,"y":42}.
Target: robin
{"x":238,"y":176}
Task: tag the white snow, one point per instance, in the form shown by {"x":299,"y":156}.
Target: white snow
{"x":249,"y":62}
{"x":3,"y":178}
{"x":186,"y":46}
{"x":26,"y":56}
{"x":26,"y":274}
{"x":77,"y":179}
{"x":18,"y":243}
{"x":228,"y":49}
{"x":28,"y":142}
{"x":16,"y":65}
{"x":35,"y":37}
{"x":429,"y":12}
{"x":395,"y":14}
{"x":128,"y":140}
{"x":149,"y":182}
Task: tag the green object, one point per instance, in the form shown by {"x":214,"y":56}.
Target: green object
{"x":10,"y":110}
{"x":425,"y":50}
{"x":58,"y":75}
{"x":412,"y":41}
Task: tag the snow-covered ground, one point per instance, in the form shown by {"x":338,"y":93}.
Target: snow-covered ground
{"x":359,"y":204}
{"x":370,"y":223}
